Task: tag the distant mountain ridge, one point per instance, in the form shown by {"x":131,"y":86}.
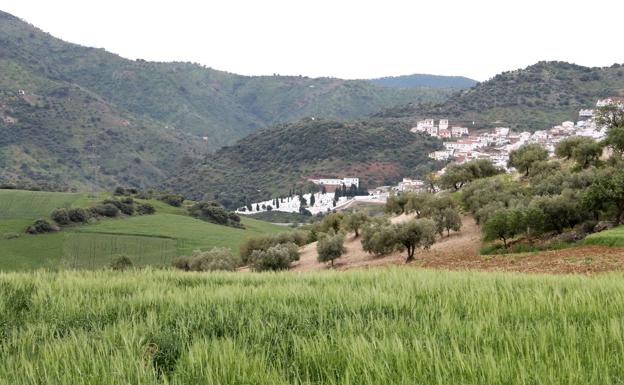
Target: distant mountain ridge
{"x":533,"y":98}
{"x":146,"y":119}
{"x":425,"y":80}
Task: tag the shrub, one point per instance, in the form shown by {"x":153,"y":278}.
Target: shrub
{"x":39,"y":227}
{"x":107,"y":210}
{"x":262,"y":243}
{"x":330,"y":247}
{"x":61,"y":216}
{"x":126,"y":208}
{"x":218,"y":258}
{"x":274,"y":258}
{"x":174,"y":200}
{"x":379,"y":238}
{"x":215,"y":213}
{"x":145,"y":209}
{"x":119,"y":191}
{"x":121,"y":262}
{"x":78,"y":215}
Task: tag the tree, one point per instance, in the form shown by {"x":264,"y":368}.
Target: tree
{"x":607,"y":192}
{"x":419,"y":203}
{"x":379,"y":237}
{"x":565,"y":148}
{"x":447,"y":219}
{"x":312,"y":200}
{"x":587,"y":152}
{"x":323,"y":190}
{"x":524,"y":157}
{"x":414,"y":234}
{"x":354,"y":222}
{"x":330,"y":247}
{"x":257,"y":207}
{"x":612,"y":116}
{"x":559,"y":211}
{"x":333,"y":222}
{"x":504,"y":225}
{"x":455,"y":177}
{"x":395,"y":204}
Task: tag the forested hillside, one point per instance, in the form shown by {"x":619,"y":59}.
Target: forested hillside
{"x":192,"y":98}
{"x":145,"y":119}
{"x":536,"y":97}
{"x":272,"y":161}
{"x":425,"y":80}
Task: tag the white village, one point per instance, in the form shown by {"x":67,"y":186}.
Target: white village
{"x":460,"y":146}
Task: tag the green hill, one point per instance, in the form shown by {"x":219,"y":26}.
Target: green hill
{"x":536,"y":97}
{"x":425,"y":80}
{"x":148,"y":240}
{"x":271,"y":161}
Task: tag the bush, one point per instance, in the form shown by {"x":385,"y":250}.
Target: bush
{"x":61,"y":216}
{"x":274,"y":258}
{"x":330,"y":247}
{"x":379,"y":238}
{"x":215,"y":213}
{"x":78,"y":215}
{"x":174,"y":200}
{"x":145,"y":209}
{"x":212,"y":260}
{"x":263,"y":243}
{"x":39,"y":227}
{"x":120,"y":263}
{"x":107,"y":210}
{"x":126,"y":208}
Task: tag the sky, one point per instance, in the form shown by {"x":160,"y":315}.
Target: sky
{"x":340,"y":38}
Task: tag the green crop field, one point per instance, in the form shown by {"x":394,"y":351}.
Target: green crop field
{"x":613,"y":237}
{"x":147,"y":240}
{"x":35,"y":204}
{"x":384,"y":326}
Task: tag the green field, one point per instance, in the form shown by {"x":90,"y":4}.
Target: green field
{"x":147,"y":240}
{"x":613,"y":237}
{"x":36,"y":204}
{"x":384,"y":326}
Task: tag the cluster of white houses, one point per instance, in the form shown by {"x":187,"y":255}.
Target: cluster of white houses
{"x":442,"y":130}
{"x":497,"y":143}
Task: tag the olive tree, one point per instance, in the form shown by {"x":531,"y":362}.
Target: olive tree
{"x":417,"y":233}
{"x":330,"y":247}
{"x":524,"y":157}
{"x":355,"y":221}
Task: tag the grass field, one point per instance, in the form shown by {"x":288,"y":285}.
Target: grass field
{"x":36,"y":204}
{"x":613,"y":237}
{"x":151,"y":239}
{"x":385,"y":326}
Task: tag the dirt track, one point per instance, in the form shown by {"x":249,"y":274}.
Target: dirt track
{"x":460,"y":251}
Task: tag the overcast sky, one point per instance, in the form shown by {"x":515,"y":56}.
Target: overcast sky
{"x":347,"y":39}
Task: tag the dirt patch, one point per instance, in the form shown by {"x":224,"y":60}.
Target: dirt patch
{"x":460,"y":251}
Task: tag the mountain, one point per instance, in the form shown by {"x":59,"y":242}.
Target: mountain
{"x":64,"y":108}
{"x":533,"y":98}
{"x":195,"y":99}
{"x":271,"y":161}
{"x":424,"y":80}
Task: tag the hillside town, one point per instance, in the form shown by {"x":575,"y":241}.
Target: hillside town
{"x":462,"y":146}
{"x":496,"y":144}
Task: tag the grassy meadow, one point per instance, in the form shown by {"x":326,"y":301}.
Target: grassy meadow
{"x":384,"y":326}
{"x":613,"y":237}
{"x":147,"y":240}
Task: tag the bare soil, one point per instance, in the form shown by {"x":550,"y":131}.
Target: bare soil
{"x":460,"y":251}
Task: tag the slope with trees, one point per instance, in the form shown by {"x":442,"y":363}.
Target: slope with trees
{"x":533,"y":98}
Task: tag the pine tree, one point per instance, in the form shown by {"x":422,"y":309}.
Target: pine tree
{"x":312,"y":200}
{"x":257,"y":207}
